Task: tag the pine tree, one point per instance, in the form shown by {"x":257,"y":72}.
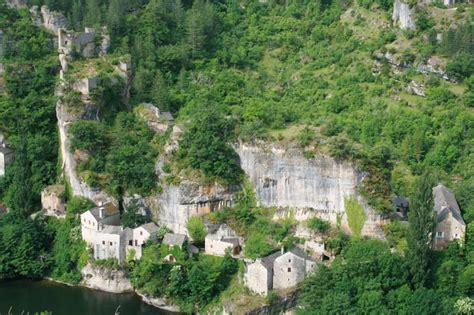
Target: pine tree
{"x":20,"y":198}
{"x":93,"y":16}
{"x":421,"y":222}
{"x":195,"y":29}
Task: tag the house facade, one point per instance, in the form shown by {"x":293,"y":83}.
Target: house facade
{"x":92,"y":220}
{"x":224,"y":239}
{"x":139,"y":236}
{"x":291,"y":268}
{"x":450,"y":225}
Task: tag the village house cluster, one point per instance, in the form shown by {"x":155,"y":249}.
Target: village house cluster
{"x":102,"y":231}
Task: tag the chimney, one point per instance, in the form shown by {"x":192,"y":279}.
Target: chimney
{"x":282,"y":250}
{"x":101,"y":212}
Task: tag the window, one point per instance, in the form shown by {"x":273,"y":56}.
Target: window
{"x":289,"y":260}
{"x":141,"y":233}
{"x":439,"y":234}
{"x":456,"y":235}
{"x":136,"y":243}
{"x":103,"y":242}
{"x":289,"y":269}
{"x":130,"y":242}
{"x":110,"y":243}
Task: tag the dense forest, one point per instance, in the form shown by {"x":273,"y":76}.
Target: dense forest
{"x":294,"y":71}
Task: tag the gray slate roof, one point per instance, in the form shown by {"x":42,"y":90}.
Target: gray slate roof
{"x":109,"y":210}
{"x":174,"y":239}
{"x":268,"y":261}
{"x":150,"y":227}
{"x":445,"y":203}
{"x":301,"y":253}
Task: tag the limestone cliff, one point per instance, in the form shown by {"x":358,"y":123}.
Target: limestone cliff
{"x":105,"y":279}
{"x":284,"y":178}
{"x":403,"y":15}
{"x":176,"y":204}
{"x":69,"y":161}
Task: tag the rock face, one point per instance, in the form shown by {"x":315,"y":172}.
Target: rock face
{"x":403,"y":15}
{"x":51,"y":20}
{"x":284,"y":178}
{"x":104,"y":279}
{"x":69,"y":163}
{"x":176,"y":204}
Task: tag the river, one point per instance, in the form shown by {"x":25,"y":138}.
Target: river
{"x":35,"y":296}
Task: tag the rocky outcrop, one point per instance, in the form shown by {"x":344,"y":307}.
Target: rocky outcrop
{"x":176,"y":204}
{"x":403,"y":15}
{"x":18,"y":4}
{"x":51,"y":20}
{"x":105,"y":279}
{"x":160,"y":303}
{"x":303,"y":188}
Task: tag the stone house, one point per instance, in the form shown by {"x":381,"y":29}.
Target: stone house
{"x":6,"y":155}
{"x":291,"y":268}
{"x":53,"y":200}
{"x":156,"y":119}
{"x":109,"y":242}
{"x":85,"y":86}
{"x":449,"y":222}
{"x":220,"y":241}
{"x":93,"y":220}
{"x":82,"y":43}
{"x":278,"y":271}
{"x":139,"y":236}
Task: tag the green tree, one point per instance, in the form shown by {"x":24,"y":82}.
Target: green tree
{"x":421,"y":222}
{"x":196,"y":228}
{"x":257,"y":246}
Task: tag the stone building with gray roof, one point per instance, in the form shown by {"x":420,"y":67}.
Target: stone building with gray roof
{"x":279,"y":270}
{"x":449,"y":222}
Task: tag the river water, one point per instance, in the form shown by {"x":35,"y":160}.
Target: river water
{"x":35,"y":296}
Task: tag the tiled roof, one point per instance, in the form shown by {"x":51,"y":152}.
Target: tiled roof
{"x":150,"y":227}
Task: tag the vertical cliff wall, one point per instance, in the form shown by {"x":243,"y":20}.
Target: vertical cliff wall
{"x":403,"y":15}
{"x":284,"y":178}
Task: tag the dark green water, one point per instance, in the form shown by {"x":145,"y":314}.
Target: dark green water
{"x":35,"y":296}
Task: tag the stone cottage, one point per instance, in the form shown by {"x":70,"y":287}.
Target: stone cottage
{"x":220,"y":241}
{"x":291,"y":268}
{"x":139,"y":236}
{"x":449,"y":222}
{"x":93,"y":220}
{"x":6,"y":155}
{"x":279,"y":270}
{"x":53,"y":201}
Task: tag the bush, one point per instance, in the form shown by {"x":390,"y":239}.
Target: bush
{"x":78,"y":205}
{"x":318,"y":225}
{"x":257,"y":246}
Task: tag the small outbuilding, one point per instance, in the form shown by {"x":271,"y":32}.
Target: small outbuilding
{"x":222,"y":240}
